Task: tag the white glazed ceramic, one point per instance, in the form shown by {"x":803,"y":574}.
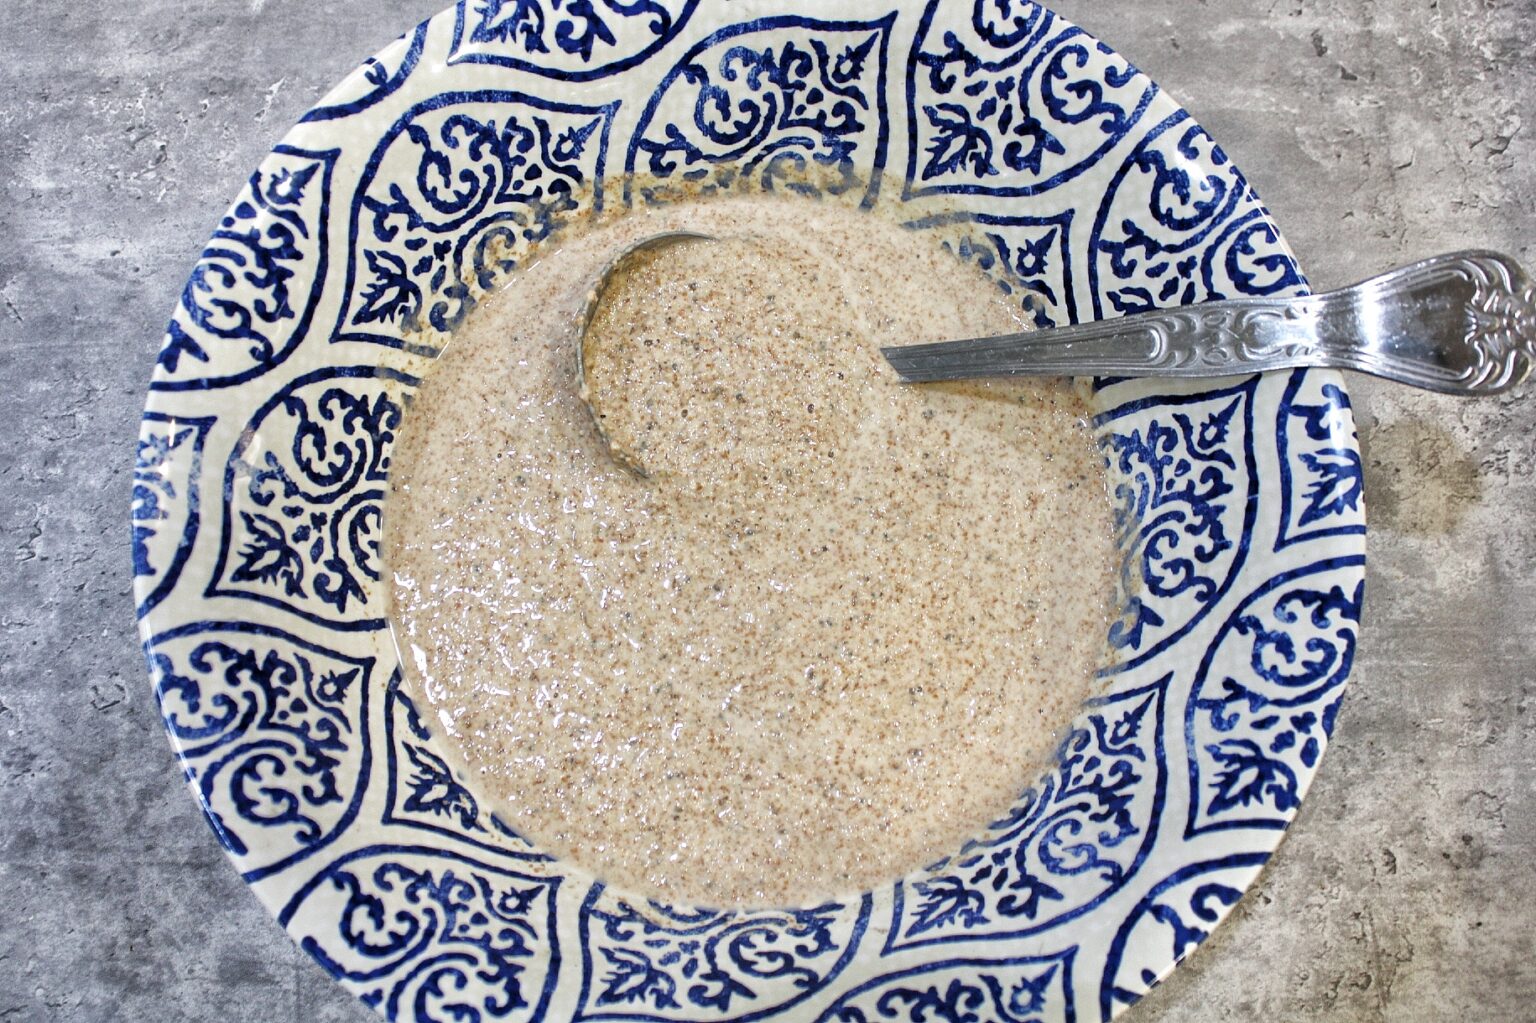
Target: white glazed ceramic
{"x":1036,"y":152}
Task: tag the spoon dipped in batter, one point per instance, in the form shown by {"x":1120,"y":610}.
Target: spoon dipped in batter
{"x":832,"y":635}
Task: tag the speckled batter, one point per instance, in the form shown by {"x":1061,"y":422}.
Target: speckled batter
{"x":835,"y":632}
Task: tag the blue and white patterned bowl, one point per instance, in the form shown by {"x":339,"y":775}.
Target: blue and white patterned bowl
{"x":1042,"y":156}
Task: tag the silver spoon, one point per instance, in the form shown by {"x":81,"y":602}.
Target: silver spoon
{"x":610,"y":272}
{"x":1462,"y":323}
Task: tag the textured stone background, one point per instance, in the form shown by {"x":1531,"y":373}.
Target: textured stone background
{"x":1377,"y":130}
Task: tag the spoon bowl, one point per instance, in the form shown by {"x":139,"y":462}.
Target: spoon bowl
{"x":621,"y":262}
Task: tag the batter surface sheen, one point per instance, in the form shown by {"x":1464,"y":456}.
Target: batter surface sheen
{"x":835,"y":632}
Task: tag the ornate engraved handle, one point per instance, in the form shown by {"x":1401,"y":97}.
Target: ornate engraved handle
{"x":1463,"y":323}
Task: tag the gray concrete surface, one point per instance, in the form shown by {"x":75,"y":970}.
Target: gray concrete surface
{"x":1378,"y":131}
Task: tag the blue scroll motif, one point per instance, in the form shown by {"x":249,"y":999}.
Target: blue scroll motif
{"x":251,"y":295}
{"x":1321,"y":477}
{"x":660,"y":963}
{"x":304,"y":493}
{"x":1027,"y":256}
{"x":457,"y":190}
{"x":425,"y":793}
{"x":572,"y":40}
{"x":1075,"y":837}
{"x":1016,"y":989}
{"x":1015,"y":102}
{"x":810,"y":94}
{"x":1170,"y":923}
{"x":1267,"y":693}
{"x":1180,"y":225}
{"x":420,"y":934}
{"x":166,"y":505}
{"x":268,"y":728}
{"x":1183,"y":479}
{"x":380,"y":77}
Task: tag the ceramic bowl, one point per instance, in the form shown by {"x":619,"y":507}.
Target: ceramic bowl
{"x":1032,"y":150}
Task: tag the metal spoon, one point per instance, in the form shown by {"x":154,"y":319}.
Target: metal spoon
{"x":620,"y":262}
{"x":1462,"y":323}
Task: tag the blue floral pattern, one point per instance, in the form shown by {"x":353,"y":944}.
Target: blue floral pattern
{"x":567,"y":39}
{"x":1184,"y":481}
{"x":1071,"y":840}
{"x":380,"y":77}
{"x":656,"y":962}
{"x":1033,"y":152}
{"x":165,"y":500}
{"x":424,"y":792}
{"x":1008,"y":990}
{"x":1027,"y":256}
{"x":301,"y":524}
{"x":267,"y":729}
{"x":803,"y":93}
{"x":454,"y":194}
{"x":250,"y":298}
{"x":422,"y":935}
{"x":1322,"y":480}
{"x":1267,"y":694}
{"x":1170,"y":923}
{"x":1180,"y":225}
{"x":1007,"y":99}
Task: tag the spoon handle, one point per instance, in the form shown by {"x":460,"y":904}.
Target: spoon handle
{"x":1461,"y":323}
